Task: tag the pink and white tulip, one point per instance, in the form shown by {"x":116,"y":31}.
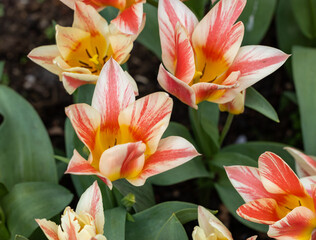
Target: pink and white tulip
{"x":81,"y":50}
{"x":131,"y":18}
{"x":275,"y":196}
{"x":86,"y":223}
{"x":204,"y":61}
{"x":124,"y":135}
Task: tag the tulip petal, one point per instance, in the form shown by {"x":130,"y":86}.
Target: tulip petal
{"x":308,"y":182}
{"x":185,"y":66}
{"x":86,"y":122}
{"x":49,"y":228}
{"x":304,"y":162}
{"x":171,"y":152}
{"x":255,"y":63}
{"x":217,"y":93}
{"x":112,"y":94}
{"x":91,"y":202}
{"x":176,"y":87}
{"x":147,"y":119}
{"x":120,"y":47}
{"x":89,"y":20}
{"x":69,"y":227}
{"x":277,"y":177}
{"x":264,"y":210}
{"x":210,"y":224}
{"x":252,"y":237}
{"x":170,"y":12}
{"x":298,"y":224}
{"x":44,"y":56}
{"x":129,"y":21}
{"x":247,"y":182}
{"x":69,"y":3}
{"x":72,"y":81}
{"x":236,"y":106}
{"x":215,"y":38}
{"x":123,"y":161}
{"x":79,"y":166}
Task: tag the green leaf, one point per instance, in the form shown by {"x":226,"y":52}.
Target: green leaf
{"x":257,"y":17}
{"x":305,"y":15}
{"x":172,"y":229}
{"x":20,"y":237}
{"x":26,"y":152}
{"x":3,"y":190}
{"x":177,"y":129}
{"x":31,"y":200}
{"x":149,"y":222}
{"x":255,"y":149}
{"x":225,"y":189}
{"x":1,"y":69}
{"x":109,"y":13}
{"x":114,"y":227}
{"x":4,"y":232}
{"x":197,"y":7}
{"x":84,"y":94}
{"x":304,"y":73}
{"x":288,"y":32}
{"x":149,"y":37}
{"x":257,"y":102}
{"x":144,"y":195}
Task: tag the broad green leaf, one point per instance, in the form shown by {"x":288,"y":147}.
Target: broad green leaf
{"x":305,"y":15}
{"x":177,"y":129}
{"x":84,"y":94}
{"x":197,"y":7}
{"x":149,"y":222}
{"x":31,"y":200}
{"x":257,"y":102}
{"x":3,"y":190}
{"x":109,"y":13}
{"x":225,"y":189}
{"x":255,"y":149}
{"x":20,"y":237}
{"x":304,"y":73}
{"x":114,"y":227}
{"x":172,"y":229}
{"x":288,"y":32}
{"x":149,"y":37}
{"x":257,"y":17}
{"x":1,"y":69}
{"x":144,"y":195}
{"x":4,"y":232}
{"x":26,"y":152}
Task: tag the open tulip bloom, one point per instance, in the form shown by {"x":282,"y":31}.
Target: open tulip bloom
{"x":86,"y":223}
{"x":204,"y":60}
{"x":81,"y":50}
{"x":124,"y":135}
{"x":275,"y":196}
{"x":131,"y":18}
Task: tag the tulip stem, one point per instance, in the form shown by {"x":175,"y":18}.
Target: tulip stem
{"x":153,"y":3}
{"x":226,"y":128}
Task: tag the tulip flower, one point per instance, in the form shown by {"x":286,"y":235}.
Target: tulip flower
{"x":305,"y":165}
{"x":131,"y":18}
{"x":124,"y":135}
{"x":81,"y":50}
{"x":86,"y":223}
{"x":203,"y":61}
{"x":275,"y":196}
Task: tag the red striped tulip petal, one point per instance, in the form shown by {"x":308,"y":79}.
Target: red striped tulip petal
{"x":170,"y":12}
{"x":49,"y":228}
{"x":69,"y":226}
{"x":252,"y":237}
{"x":255,"y":63}
{"x":236,"y":106}
{"x":147,"y":119}
{"x":247,"y":182}
{"x":91,"y":202}
{"x":72,"y":81}
{"x":264,"y":210}
{"x":123,"y":161}
{"x":304,"y":162}
{"x":130,"y":20}
{"x":308,"y":182}
{"x":298,"y":224}
{"x":277,"y":177}
{"x":185,"y":66}
{"x":79,"y":166}
{"x":112,"y":94}
{"x":44,"y":56}
{"x":87,"y":19}
{"x":86,"y":122}
{"x":176,"y":87}
{"x":215,"y":35}
{"x":171,"y":152}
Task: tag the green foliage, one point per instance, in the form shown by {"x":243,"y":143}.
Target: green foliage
{"x":304,"y":73}
{"x":114,"y":227}
{"x":257,"y":102}
{"x":26,"y":152}
{"x":197,"y":7}
{"x":31,"y":200}
{"x":172,"y":229}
